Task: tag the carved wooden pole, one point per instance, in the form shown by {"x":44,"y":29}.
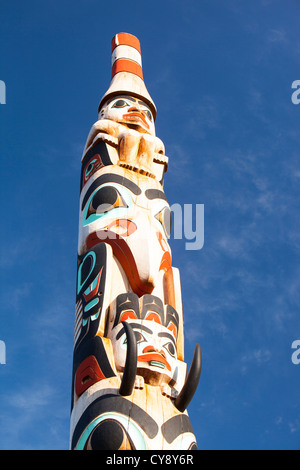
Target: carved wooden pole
{"x":130,"y":386}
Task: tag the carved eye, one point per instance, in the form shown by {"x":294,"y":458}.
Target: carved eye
{"x":90,"y":167}
{"x":148,"y":114}
{"x":104,"y":200}
{"x":120,"y":104}
{"x":165,"y":218}
{"x":139,"y":337}
{"x":170,"y":348}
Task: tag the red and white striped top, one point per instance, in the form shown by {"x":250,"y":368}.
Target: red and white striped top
{"x":126,"y":55}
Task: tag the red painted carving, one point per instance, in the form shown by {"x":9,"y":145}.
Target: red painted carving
{"x":88,"y":373}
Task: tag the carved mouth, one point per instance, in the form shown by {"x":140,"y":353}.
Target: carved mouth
{"x":136,"y":118}
{"x":155,"y":359}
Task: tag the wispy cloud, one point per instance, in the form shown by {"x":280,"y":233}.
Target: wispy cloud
{"x":14,"y":296}
{"x":255,"y":357}
{"x":28,"y":409}
{"x":276,"y":36}
{"x":294,"y":425}
{"x":19,"y":249}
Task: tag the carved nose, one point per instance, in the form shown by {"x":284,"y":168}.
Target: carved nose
{"x":150,"y":348}
{"x":135,"y":108}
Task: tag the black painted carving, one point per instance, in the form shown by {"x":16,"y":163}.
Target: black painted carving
{"x":190,"y":386}
{"x":176,"y":426}
{"x":115,"y":403}
{"x":129,"y":373}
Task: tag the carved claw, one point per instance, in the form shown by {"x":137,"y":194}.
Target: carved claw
{"x":139,"y":382}
{"x":168,"y":391}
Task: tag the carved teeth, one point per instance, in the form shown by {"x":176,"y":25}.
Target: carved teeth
{"x":137,"y":169}
{"x":157,"y":364}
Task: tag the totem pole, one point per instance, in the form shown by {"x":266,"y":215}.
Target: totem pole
{"x":130,"y":386}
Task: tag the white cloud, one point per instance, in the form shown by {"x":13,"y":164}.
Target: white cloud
{"x":257,"y":356}
{"x":27,"y":409}
{"x":294,"y":426}
{"x":30,"y":400}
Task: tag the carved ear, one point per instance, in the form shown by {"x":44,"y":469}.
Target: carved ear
{"x":191,"y":382}
{"x":129,"y":373}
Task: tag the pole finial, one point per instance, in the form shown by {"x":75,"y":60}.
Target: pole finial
{"x":127,"y":72}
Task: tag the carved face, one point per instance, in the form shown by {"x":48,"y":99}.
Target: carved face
{"x":130,"y":111}
{"x":156,"y":350}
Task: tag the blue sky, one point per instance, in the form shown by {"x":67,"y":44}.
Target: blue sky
{"x":220,"y":74}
